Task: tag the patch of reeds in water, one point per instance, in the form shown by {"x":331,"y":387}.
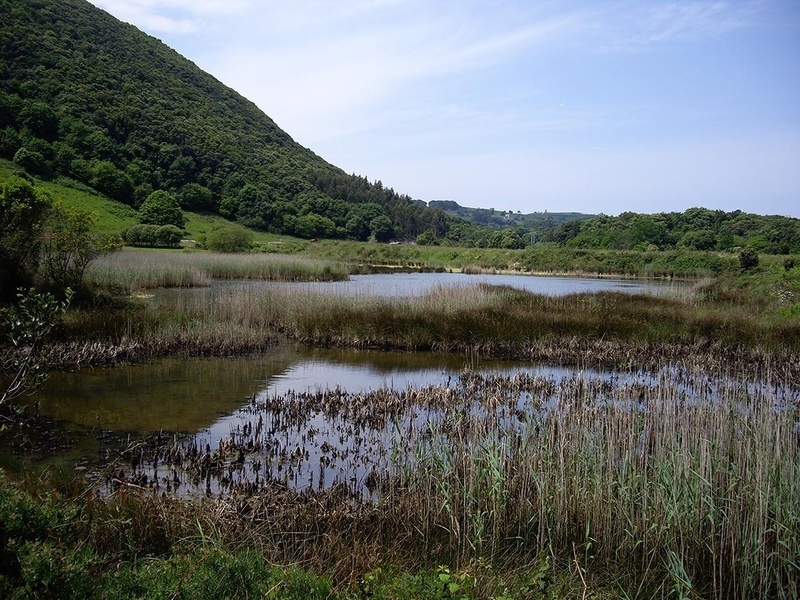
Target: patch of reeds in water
{"x":138,"y":269}
{"x":683,"y":483}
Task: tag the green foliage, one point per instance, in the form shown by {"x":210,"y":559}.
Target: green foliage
{"x":152,"y":236}
{"x":161,"y":208}
{"x":96,"y":100}
{"x":748,"y":258}
{"x":194,"y":196}
{"x":229,"y":239}
{"x":71,"y":246}
{"x":28,"y":324}
{"x":381,"y":228}
{"x":23,"y":212}
{"x":112,"y":182}
{"x":694,"y":229}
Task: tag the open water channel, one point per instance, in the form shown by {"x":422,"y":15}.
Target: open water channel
{"x":201,"y":425}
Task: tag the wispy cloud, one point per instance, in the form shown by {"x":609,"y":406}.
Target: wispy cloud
{"x":633,"y":26}
{"x":172,"y":16}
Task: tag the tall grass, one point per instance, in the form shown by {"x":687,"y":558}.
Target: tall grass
{"x":602,"y":329}
{"x":693,"y":498}
{"x":143,"y":269}
{"x":682,"y":484}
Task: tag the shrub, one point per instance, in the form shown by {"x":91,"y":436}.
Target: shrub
{"x":748,"y":258}
{"x":229,"y":239}
{"x":152,"y":236}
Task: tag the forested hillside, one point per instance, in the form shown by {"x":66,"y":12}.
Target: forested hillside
{"x":694,"y":229}
{"x":537,"y":222}
{"x":85,"y":96}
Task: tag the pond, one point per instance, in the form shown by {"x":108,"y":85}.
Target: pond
{"x":416,"y":284}
{"x":307,"y":418}
{"x":310,"y":419}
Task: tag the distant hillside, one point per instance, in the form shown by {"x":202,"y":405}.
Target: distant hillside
{"x":693,"y":229}
{"x":537,"y":222}
{"x":85,"y":96}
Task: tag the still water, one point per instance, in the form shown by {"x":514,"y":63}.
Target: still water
{"x":416,"y":284}
{"x":310,"y":419}
{"x":92,"y":414}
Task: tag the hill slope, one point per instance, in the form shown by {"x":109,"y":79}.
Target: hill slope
{"x":86,"y":96}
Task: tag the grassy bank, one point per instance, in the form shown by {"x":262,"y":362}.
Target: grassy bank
{"x":540,"y":258}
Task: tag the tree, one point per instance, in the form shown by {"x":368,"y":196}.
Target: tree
{"x":748,"y":258}
{"x":112,"y":182}
{"x":381,"y":228}
{"x":194,"y":196}
{"x":70,"y":246}
{"x":23,"y":212}
{"x":161,"y":208}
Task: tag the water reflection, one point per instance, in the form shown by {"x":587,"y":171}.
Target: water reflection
{"x":415,"y":284}
{"x":92,"y":414}
{"x":313,"y":418}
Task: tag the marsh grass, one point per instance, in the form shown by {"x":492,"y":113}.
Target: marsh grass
{"x":679,"y":485}
{"x":142,"y":269}
{"x":598,"y":330}
{"x":496,"y":320}
{"x":698,"y":497}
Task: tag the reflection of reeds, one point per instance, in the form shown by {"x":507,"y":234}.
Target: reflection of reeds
{"x":138,"y":269}
{"x":685,"y":479}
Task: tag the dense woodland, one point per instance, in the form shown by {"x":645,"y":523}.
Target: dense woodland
{"x":85,"y":96}
{"x":693,"y":229}
{"x":88,"y":98}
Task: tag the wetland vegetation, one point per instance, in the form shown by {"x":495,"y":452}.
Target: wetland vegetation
{"x":673,"y":474}
{"x":661,"y":462}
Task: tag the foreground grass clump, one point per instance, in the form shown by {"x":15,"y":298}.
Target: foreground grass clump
{"x":142,"y":269}
{"x":54,"y":544}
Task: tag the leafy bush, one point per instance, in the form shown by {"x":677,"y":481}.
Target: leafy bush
{"x":152,"y":236}
{"x":229,"y":239}
{"x":748,"y":258}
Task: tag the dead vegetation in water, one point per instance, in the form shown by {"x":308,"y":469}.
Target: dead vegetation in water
{"x":688,"y":478}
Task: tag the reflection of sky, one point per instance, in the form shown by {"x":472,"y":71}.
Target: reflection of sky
{"x":415,"y":284}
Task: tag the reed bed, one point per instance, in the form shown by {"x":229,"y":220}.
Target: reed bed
{"x":138,"y":269}
{"x":684,"y":483}
{"x":602,"y":329}
{"x":594,"y":330}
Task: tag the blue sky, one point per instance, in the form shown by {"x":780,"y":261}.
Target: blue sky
{"x":601,"y":106}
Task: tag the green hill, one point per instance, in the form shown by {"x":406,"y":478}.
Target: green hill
{"x":537,"y":222}
{"x":85,"y":96}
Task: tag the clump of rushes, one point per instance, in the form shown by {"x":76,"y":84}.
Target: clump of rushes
{"x":142,"y":269}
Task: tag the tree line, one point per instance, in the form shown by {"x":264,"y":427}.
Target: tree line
{"x":693,"y":229}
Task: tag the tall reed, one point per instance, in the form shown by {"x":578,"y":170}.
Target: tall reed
{"x":697,"y":496}
{"x":142,"y":269}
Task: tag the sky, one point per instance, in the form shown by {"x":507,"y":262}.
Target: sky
{"x":600,"y":106}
